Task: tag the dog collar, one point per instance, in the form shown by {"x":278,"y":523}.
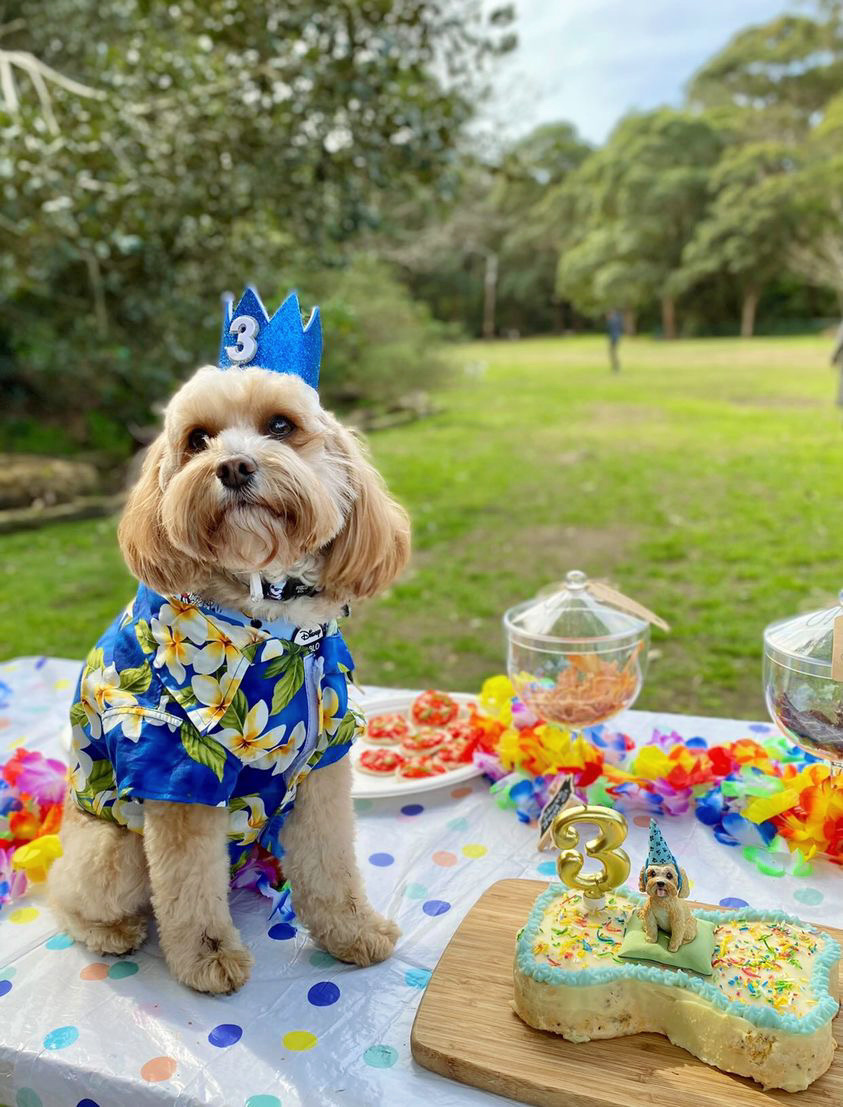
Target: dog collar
{"x":289,"y":588}
{"x":282,"y":591}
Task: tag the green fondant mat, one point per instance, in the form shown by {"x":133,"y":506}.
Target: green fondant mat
{"x":695,"y":955}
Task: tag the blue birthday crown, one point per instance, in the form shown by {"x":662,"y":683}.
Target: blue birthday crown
{"x":659,"y":853}
{"x":250,"y":339}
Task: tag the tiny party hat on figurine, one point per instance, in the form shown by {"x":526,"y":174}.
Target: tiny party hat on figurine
{"x":283,"y":344}
{"x":659,"y":851}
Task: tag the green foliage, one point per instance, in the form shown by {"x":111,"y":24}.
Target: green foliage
{"x":777,"y":75}
{"x":379,"y":343}
{"x":493,"y":227}
{"x":202,"y":748}
{"x":202,"y":144}
{"x":632,"y":207}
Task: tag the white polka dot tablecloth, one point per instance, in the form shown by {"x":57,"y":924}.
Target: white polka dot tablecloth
{"x":82,"y":1030}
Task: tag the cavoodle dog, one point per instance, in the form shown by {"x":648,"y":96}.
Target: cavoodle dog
{"x":211,"y":720}
{"x":666,"y":888}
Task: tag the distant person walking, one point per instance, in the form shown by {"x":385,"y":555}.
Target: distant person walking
{"x":614,"y":326}
{"x":837,"y":359}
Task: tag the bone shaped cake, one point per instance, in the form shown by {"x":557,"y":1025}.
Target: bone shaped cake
{"x":759,"y":1001}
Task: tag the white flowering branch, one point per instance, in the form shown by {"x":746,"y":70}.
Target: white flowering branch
{"x":42,"y":76}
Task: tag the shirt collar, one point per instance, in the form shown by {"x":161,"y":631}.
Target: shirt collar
{"x":276,"y":628}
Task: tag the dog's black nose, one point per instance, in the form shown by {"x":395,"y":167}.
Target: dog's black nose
{"x":659,"y":883}
{"x":236,"y":472}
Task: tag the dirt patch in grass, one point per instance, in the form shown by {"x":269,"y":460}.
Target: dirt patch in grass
{"x":624,"y":414}
{"x":802,"y":402}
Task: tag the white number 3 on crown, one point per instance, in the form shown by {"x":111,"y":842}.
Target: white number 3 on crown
{"x":246,"y":330}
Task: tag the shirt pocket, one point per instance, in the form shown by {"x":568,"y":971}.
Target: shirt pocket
{"x":134,"y":720}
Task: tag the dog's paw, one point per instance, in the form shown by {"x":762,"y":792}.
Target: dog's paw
{"x":219,"y":968}
{"x":361,"y":939}
{"x":117,"y":937}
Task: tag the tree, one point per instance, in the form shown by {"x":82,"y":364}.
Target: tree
{"x":816,"y":248}
{"x":748,"y":227}
{"x":778,"y":75}
{"x":628,"y":212}
{"x":490,"y":220}
{"x":224,"y":141}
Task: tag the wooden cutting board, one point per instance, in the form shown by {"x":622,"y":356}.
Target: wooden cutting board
{"x":465,"y":1029}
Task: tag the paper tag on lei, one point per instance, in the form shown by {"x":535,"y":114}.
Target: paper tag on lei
{"x":602,"y":591}
{"x":561,"y":796}
{"x":837,"y":649}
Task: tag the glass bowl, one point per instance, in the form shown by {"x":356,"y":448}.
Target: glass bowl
{"x":574,"y":659}
{"x":803,"y":698}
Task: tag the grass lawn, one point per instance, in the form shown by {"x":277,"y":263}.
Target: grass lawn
{"x":705,"y":481}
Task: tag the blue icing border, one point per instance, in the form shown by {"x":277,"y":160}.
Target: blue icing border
{"x":824,"y":1011}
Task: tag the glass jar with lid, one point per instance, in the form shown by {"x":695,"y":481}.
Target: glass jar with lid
{"x":577,"y":654}
{"x":803,"y":680}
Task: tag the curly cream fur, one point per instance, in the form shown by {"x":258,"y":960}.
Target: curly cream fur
{"x":664,"y":909}
{"x":316,"y":509}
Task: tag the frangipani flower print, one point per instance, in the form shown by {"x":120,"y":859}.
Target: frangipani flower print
{"x":282,"y":756}
{"x":185,"y":619}
{"x":81,"y":771}
{"x":330,"y":715}
{"x":99,"y":690}
{"x":194,"y":705}
{"x":273,"y":648}
{"x":248,"y":820}
{"x":174,"y":649}
{"x":223,"y":646}
{"x":213,"y":693}
{"x":128,"y":813}
{"x":252,"y":739}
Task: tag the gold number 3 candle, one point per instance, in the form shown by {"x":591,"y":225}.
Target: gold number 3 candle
{"x":605,"y":848}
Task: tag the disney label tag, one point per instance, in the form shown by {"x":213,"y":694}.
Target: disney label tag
{"x":306,"y":636}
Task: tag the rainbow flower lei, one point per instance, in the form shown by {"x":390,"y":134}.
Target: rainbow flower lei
{"x":762,"y":794}
{"x":32,"y":791}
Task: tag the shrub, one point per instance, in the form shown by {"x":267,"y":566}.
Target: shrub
{"x":380,"y":345}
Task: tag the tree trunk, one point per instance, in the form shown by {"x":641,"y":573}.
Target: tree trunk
{"x":630,"y":321}
{"x":750,"y":303}
{"x":668,"y":317}
{"x":490,"y":295}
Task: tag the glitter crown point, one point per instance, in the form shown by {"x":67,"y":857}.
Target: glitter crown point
{"x":282,"y":344}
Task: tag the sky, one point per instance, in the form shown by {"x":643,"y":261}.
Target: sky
{"x":591,"y":61}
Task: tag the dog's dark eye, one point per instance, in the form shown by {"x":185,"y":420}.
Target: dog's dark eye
{"x":279,"y":426}
{"x":651,"y":872}
{"x":197,"y":439}
{"x":669,"y":876}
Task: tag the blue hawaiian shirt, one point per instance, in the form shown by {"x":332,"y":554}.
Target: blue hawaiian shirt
{"x":186,"y":702}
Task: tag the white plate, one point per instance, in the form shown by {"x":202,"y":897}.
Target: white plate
{"x":368,"y":786}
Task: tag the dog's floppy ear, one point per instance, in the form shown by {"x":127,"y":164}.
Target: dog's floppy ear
{"x":147,"y":550}
{"x":685,"y":889}
{"x":374,"y":544}
{"x":642,"y":880}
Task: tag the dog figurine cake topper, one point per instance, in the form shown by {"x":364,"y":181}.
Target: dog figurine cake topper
{"x":252,"y":340}
{"x":666,"y":885}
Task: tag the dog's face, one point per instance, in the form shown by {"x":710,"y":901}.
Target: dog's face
{"x":662,"y":881}
{"x":251,"y":474}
